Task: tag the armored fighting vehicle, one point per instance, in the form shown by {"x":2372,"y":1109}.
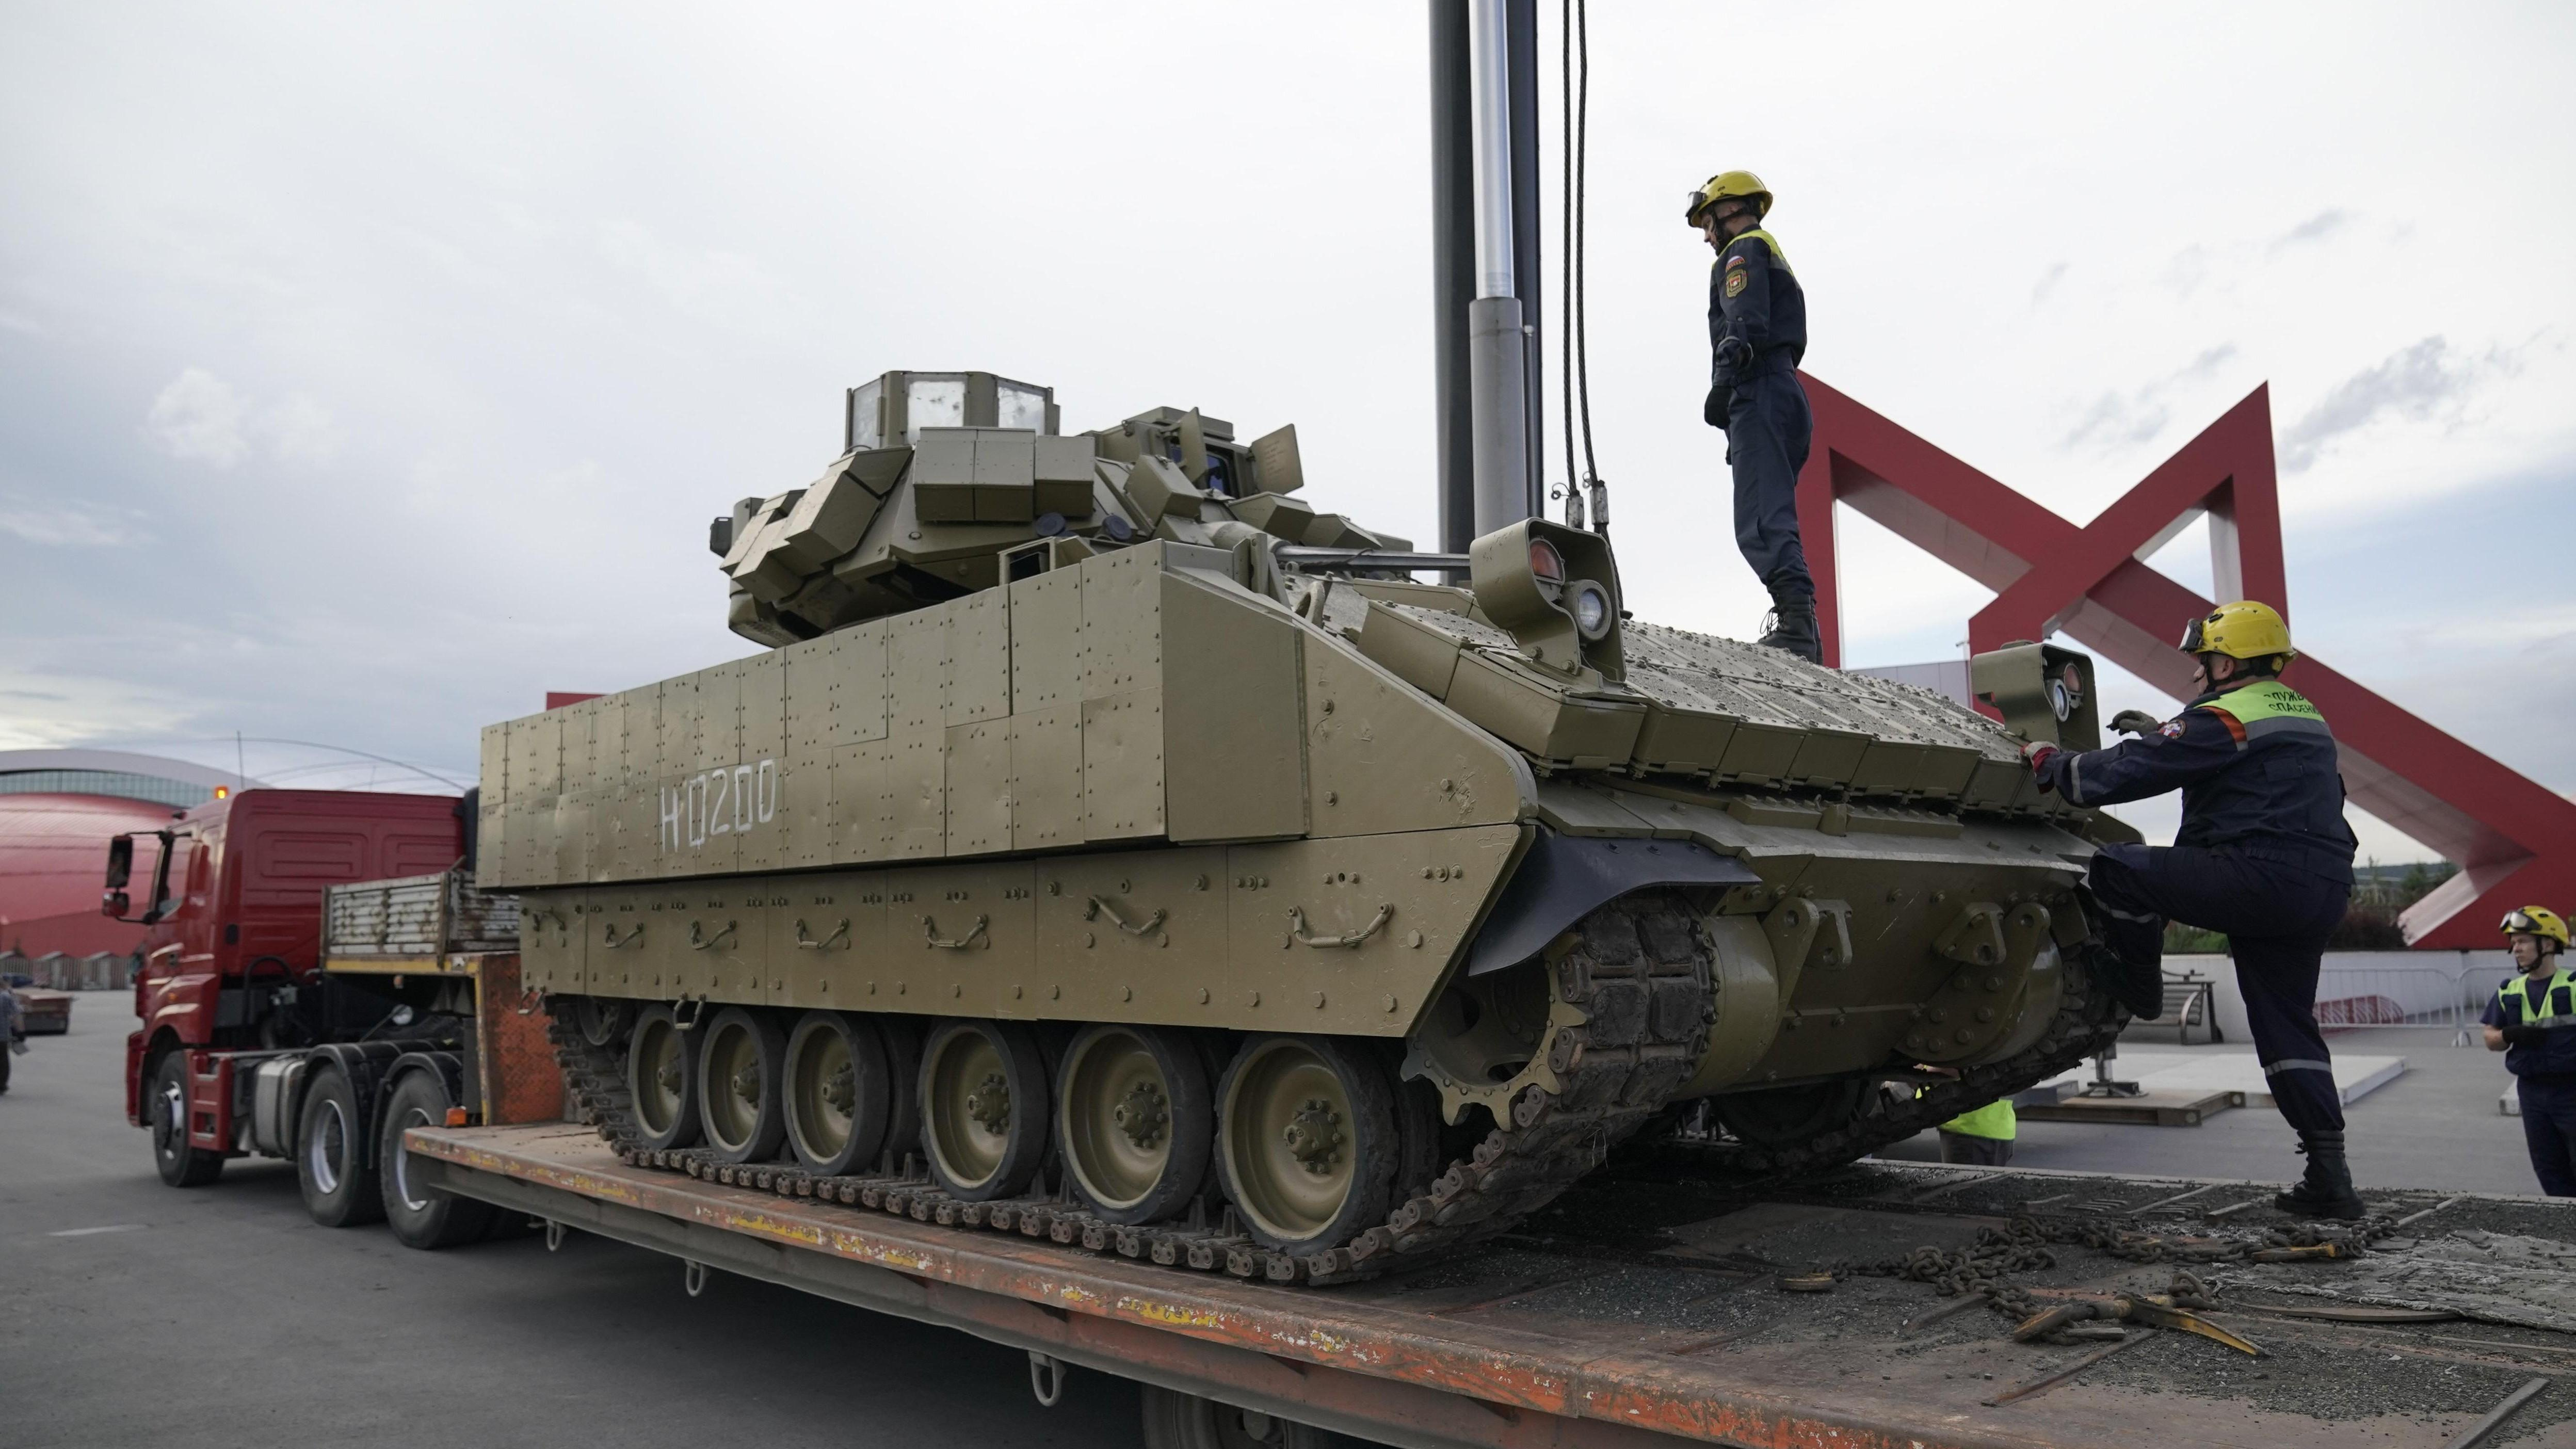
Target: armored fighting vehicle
{"x":1113,"y":846}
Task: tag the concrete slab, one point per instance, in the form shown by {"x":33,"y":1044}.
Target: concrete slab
{"x":2197,"y":1074}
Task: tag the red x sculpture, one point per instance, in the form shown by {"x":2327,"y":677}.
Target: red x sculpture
{"x":2515,"y":841}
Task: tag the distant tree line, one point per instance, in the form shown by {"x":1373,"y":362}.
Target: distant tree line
{"x":2380,"y":894}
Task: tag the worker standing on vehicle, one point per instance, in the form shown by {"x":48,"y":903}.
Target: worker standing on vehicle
{"x":2263,"y":857}
{"x":1984,"y":1137}
{"x":1757,"y":333}
{"x":2528,"y":1021}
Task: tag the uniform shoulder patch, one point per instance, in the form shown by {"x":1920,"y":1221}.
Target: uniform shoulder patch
{"x":1734,"y":260}
{"x":2171,"y":729}
{"x":1736,"y":278}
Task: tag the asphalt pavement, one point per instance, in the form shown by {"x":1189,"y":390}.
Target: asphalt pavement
{"x":133,"y":1313}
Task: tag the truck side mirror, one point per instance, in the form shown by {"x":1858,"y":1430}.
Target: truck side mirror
{"x":114,"y":905}
{"x":120,"y":861}
{"x":2043,"y":692}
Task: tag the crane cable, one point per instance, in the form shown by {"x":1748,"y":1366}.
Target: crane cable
{"x":1574,"y":79}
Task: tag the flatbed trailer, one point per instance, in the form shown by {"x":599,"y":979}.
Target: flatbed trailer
{"x":1670,"y":1326}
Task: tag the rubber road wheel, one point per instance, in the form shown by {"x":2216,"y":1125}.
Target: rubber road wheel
{"x":741,"y":1081}
{"x":603,"y":1022}
{"x":1306,"y":1140}
{"x":902,"y":1038}
{"x":1175,"y":1420}
{"x":984,"y":1107}
{"x":840,"y":1093}
{"x":331,"y":1140}
{"x":1134,"y":1121}
{"x":662,"y":1079}
{"x":181,"y":1165}
{"x":420,"y":1215}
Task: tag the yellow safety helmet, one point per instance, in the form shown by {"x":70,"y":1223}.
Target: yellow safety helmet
{"x":2536,"y":921}
{"x":1725,"y":185}
{"x":2242,"y":630}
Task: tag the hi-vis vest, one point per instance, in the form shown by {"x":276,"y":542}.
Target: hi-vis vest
{"x":2550,"y":1003}
{"x":2556,"y":999}
{"x":1779,"y":258}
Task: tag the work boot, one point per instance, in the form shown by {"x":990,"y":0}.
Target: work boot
{"x":1792,"y":627}
{"x":2326,"y":1192}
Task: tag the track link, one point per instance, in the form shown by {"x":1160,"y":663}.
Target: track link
{"x":1637,"y":970}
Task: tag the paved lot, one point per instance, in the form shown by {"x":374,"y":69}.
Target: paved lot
{"x":223,"y":1316}
{"x":2436,"y":1126}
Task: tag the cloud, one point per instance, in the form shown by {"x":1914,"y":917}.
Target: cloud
{"x":2415,"y":383}
{"x":2119,"y":419}
{"x":299,"y":430}
{"x":2047,"y":283}
{"x":198,"y":418}
{"x":2316,"y":228}
{"x":65,"y":527}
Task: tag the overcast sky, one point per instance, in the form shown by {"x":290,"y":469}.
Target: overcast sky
{"x":366,"y":372}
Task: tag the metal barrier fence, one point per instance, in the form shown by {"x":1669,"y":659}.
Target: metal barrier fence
{"x":2367,"y":990}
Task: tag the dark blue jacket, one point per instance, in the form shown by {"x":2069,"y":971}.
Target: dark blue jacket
{"x":2257,"y":769}
{"x":1753,"y":295}
{"x":2543,"y":1002}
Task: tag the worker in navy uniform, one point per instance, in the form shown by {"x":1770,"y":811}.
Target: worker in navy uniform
{"x":2263,"y":857}
{"x":1757,"y":333}
{"x":2529,"y":1021}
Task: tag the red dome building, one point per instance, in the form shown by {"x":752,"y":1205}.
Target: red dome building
{"x":57,"y":810}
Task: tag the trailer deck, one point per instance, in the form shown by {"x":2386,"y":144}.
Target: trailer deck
{"x":1641,"y":1311}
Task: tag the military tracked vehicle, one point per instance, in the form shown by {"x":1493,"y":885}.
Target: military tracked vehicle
{"x":1111,"y":844}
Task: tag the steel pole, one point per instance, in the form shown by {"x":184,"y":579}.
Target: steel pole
{"x":1497,"y":349}
{"x":1453,"y":258}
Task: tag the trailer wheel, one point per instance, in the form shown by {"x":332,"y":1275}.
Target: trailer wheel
{"x":340,"y":1188}
{"x":1175,"y":1420}
{"x":422,"y":1216}
{"x":181,"y":1165}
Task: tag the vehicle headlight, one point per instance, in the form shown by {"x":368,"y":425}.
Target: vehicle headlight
{"x":1591,"y":609}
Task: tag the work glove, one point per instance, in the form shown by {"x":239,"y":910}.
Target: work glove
{"x":2135,"y":722}
{"x":1713,"y":411}
{"x":2036,"y":754}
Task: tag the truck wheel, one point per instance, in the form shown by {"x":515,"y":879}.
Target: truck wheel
{"x":181,"y":1165}
{"x":662,"y":1079}
{"x":422,"y":1216}
{"x":1175,"y":1420}
{"x":340,"y":1189}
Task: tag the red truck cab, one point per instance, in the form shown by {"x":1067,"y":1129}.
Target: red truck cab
{"x":231,"y":963}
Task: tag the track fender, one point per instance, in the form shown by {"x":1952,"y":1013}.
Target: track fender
{"x":1563,"y":878}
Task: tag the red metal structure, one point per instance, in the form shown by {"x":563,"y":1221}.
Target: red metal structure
{"x":2515,"y":841}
